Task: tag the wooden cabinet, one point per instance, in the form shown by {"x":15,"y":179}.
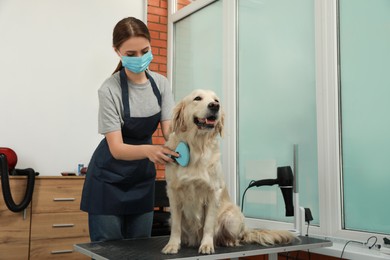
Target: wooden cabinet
{"x":56,"y":220}
{"x":14,"y":227}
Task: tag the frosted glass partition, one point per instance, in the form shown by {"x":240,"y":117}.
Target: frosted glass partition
{"x":365,"y":106}
{"x":198,"y":52}
{"x":277,"y":102}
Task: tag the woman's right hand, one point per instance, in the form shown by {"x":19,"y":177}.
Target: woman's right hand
{"x":160,"y":154}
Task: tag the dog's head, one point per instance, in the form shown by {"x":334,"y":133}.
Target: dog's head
{"x":200,"y":111}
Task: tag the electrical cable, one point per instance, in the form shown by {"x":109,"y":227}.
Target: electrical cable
{"x":368,"y":239}
{"x":361,"y":243}
{"x":350,"y":241}
{"x":243,"y":196}
{"x":307,"y":230}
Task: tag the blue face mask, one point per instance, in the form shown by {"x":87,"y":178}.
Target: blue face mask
{"x":137,"y":64}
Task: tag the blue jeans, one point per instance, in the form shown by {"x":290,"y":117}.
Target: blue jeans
{"x":115,"y":227}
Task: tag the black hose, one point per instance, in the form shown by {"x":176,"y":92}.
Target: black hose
{"x":6,"y":187}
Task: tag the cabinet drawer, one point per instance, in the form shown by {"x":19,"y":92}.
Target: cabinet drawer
{"x":59,"y":225}
{"x":57,"y":195}
{"x":57,"y":249}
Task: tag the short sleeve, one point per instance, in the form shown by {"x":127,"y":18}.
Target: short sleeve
{"x":109,"y":119}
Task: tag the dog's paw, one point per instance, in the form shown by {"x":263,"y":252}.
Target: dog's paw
{"x":206,"y":248}
{"x":171,"y":249}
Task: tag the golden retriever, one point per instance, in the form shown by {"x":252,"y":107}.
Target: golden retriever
{"x":202,"y":213}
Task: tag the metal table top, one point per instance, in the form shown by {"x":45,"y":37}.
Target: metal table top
{"x":150,"y":248}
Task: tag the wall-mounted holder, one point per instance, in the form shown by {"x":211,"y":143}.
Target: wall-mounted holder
{"x":288,"y":184}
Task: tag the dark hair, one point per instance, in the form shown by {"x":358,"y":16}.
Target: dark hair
{"x":124,"y":30}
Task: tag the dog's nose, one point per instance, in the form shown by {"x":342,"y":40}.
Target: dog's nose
{"x":214,"y":106}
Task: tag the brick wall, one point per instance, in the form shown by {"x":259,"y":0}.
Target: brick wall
{"x":157,"y":24}
{"x":182,"y":3}
{"x":158,"y":27}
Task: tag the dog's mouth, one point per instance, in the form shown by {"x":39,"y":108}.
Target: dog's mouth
{"x":207,"y":122}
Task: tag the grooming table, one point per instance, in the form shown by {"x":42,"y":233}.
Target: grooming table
{"x":150,"y":248}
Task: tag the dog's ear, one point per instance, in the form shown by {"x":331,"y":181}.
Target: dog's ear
{"x":177,"y":124}
{"x":220,"y":124}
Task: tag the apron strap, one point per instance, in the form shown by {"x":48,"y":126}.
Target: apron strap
{"x":125,"y":93}
{"x":154,"y":86}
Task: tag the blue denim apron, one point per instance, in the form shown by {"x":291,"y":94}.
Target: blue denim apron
{"x":119,"y":187}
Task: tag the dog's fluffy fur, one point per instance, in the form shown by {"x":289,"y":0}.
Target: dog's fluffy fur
{"x":202,"y":214}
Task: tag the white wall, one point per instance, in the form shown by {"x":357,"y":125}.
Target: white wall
{"x":54,"y":55}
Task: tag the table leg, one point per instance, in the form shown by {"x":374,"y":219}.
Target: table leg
{"x":273,"y":256}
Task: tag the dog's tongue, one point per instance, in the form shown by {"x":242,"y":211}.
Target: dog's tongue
{"x":209,"y":121}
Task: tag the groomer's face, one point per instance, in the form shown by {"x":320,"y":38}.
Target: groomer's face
{"x":134,"y":47}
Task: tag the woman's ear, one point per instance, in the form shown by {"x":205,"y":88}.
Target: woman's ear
{"x":178,"y":118}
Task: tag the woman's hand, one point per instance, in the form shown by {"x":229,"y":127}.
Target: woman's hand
{"x":160,"y":154}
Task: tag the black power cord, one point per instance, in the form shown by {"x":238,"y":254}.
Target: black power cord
{"x":361,"y":243}
{"x":243,"y":195}
{"x":350,"y":241}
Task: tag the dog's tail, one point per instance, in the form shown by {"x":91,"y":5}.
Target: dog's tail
{"x":267,"y":237}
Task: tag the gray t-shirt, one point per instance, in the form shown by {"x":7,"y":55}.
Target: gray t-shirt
{"x":143,"y":102}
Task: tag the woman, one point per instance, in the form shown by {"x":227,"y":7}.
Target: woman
{"x":118,"y":192}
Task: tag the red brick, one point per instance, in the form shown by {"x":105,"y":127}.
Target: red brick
{"x":164,"y":4}
{"x":157,"y":10}
{"x":154,"y":2}
{"x":160,"y":174}
{"x":157,"y":24}
{"x":153,"y":18}
{"x":159,"y":43}
{"x":156,"y":51}
{"x":153,"y":66}
{"x":163,"y":52}
{"x":163,"y":36}
{"x":157,"y":27}
{"x":184,"y":2}
{"x":180,"y":6}
{"x":154,"y":34}
{"x":159,"y":133}
{"x":156,"y":133}
{"x":159,"y":59}
{"x":163,"y":20}
{"x":160,"y":166}
{"x":158,"y":140}
{"x":162,"y":68}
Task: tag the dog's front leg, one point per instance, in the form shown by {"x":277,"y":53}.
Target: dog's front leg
{"x":207,"y":243}
{"x":173,"y":245}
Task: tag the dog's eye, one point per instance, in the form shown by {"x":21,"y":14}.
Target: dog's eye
{"x":198,"y":98}
{"x":216,"y":100}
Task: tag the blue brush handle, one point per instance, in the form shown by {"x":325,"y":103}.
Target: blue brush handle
{"x":184,"y":151}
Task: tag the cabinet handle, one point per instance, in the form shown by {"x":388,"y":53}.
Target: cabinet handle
{"x":64,"y":199}
{"x":62,"y":225}
{"x":54,"y":252}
